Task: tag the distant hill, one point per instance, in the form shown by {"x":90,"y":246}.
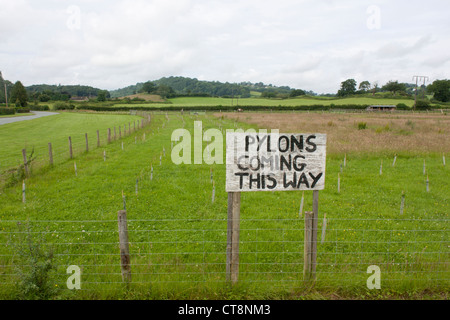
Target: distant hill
{"x":194,"y":87}
{"x":126,"y":91}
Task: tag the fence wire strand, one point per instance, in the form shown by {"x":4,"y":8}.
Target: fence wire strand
{"x":170,"y":254}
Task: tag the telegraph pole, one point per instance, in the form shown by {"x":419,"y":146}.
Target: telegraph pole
{"x":417,"y":78}
{"x":6,"y":95}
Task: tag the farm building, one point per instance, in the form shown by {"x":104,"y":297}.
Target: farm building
{"x":381,"y":108}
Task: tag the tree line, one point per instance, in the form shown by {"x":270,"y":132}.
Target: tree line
{"x":170,"y":87}
{"x":440,"y":89}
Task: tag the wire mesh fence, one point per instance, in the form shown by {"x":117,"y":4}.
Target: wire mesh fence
{"x":170,"y":253}
{"x":13,"y":165}
{"x":192,"y":252}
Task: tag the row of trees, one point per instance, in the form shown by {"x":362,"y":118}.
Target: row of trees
{"x":45,"y":92}
{"x":439,"y":88}
{"x":19,"y":95}
{"x":349,"y":87}
{"x":194,"y":87}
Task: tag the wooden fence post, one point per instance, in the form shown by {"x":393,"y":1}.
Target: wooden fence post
{"x":125,"y":261}
{"x":109,"y":135}
{"x":310,"y":241}
{"x":25,"y":162}
{"x":50,"y":153}
{"x":98,"y":139}
{"x":115,"y":137}
{"x":307,"y":252}
{"x":70,"y":148}
{"x":314,"y":230}
{"x":233,"y":230}
{"x":87,"y":143}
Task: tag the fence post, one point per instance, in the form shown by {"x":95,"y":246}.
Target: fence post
{"x":115,"y":137}
{"x":310,"y":241}
{"x":233,"y":230}
{"x":87,"y":143}
{"x":109,"y":135}
{"x":125,"y":262}
{"x":98,"y":139}
{"x":25,"y":162}
{"x":50,"y":153}
{"x":314,"y":230}
{"x":307,"y":253}
{"x":70,"y":148}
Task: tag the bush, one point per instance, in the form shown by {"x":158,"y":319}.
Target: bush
{"x":22,"y":110}
{"x":5,"y":111}
{"x":362,"y":125}
{"x":36,"y":269}
{"x":422,"y":105}
{"x":402,"y":106}
{"x":40,"y":108}
{"x":63,"y":106}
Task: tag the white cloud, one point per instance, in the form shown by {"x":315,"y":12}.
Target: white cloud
{"x":304,"y":44}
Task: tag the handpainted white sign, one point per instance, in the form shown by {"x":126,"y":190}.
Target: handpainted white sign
{"x":275,"y":161}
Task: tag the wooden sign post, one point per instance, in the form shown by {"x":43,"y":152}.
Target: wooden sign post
{"x":273,"y":162}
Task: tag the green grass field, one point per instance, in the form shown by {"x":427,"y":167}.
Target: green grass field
{"x":36,"y":134}
{"x":178,"y":235}
{"x":301,"y":101}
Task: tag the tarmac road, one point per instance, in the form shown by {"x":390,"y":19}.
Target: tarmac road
{"x":37,"y":114}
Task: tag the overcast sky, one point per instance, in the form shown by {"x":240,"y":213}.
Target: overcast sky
{"x":311,"y":45}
